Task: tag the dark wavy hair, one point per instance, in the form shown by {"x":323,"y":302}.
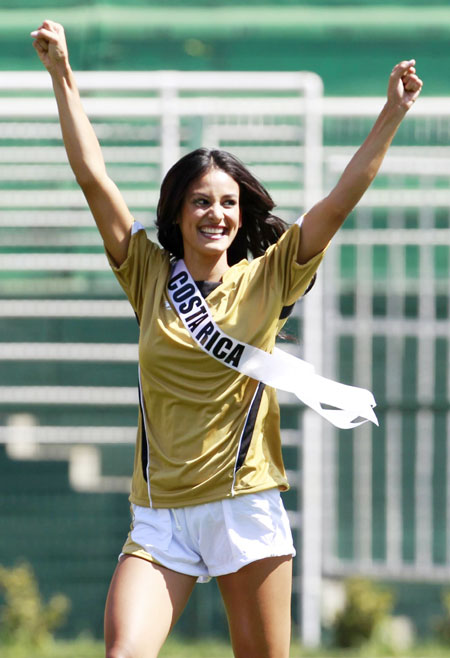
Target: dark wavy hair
{"x":260,"y":228}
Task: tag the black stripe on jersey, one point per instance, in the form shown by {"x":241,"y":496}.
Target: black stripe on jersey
{"x":287,"y":310}
{"x":311,"y":284}
{"x":144,"y":449}
{"x":247,"y":432}
{"x":144,"y":446}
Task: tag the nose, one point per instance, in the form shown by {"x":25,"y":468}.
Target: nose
{"x":216,"y":213}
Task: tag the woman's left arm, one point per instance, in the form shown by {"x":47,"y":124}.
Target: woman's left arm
{"x":326,"y":217}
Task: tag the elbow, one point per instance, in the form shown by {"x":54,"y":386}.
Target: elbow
{"x":89,"y":180}
{"x":340,"y":213}
{"x":342,"y":202}
{"x":338,"y":209}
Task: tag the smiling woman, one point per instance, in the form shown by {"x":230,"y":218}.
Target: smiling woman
{"x":259,"y":228}
{"x":205,"y":496}
{"x":209,"y":220}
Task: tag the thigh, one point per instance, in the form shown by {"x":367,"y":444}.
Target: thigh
{"x":144,"y":601}
{"x":258,"y":603}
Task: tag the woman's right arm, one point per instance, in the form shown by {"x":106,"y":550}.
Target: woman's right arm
{"x":107,"y":205}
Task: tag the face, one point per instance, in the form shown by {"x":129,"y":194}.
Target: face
{"x":210,"y":215}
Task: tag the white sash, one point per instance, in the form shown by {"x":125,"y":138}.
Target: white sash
{"x":345,"y":406}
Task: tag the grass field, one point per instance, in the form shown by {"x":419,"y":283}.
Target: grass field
{"x":207,"y":649}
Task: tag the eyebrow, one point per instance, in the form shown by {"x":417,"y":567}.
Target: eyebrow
{"x":231,"y":195}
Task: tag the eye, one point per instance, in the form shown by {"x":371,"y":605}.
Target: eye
{"x":229,"y":203}
{"x":200,"y":202}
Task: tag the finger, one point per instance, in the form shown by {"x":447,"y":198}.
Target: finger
{"x":414,"y":85}
{"x":409,"y":76}
{"x":412,"y":82}
{"x":44,"y":34}
{"x":410,"y":86}
{"x":44,"y":25}
{"x":51,"y":25}
{"x":402,"y":67}
{"x":40,"y":46}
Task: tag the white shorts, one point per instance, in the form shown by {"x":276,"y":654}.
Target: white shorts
{"x":212,"y":539}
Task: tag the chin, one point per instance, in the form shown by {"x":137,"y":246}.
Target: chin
{"x":218,"y":248}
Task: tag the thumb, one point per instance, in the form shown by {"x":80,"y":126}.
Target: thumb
{"x":403,"y":66}
{"x":397,"y":73}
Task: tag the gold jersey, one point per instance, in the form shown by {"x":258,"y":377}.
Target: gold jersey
{"x":205,"y":431}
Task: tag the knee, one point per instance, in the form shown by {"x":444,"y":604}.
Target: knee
{"x":121,"y":651}
{"x":118,"y":651}
{"x":248,"y":646}
{"x":245,"y":645}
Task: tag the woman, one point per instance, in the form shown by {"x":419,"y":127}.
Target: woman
{"x":208,"y":468}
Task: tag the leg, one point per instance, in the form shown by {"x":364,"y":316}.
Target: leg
{"x":143,"y":604}
{"x":258,"y":603}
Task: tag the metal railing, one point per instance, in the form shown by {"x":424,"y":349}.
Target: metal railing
{"x":373,"y":501}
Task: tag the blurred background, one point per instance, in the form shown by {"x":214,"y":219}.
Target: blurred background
{"x":291,"y":88}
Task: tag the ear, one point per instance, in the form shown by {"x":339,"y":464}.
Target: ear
{"x":240,"y":218}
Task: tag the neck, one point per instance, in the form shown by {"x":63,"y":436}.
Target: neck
{"x":207,"y":270}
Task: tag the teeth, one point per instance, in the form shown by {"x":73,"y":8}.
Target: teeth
{"x":212,"y":231}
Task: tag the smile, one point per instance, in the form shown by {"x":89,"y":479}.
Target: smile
{"x":213,"y":231}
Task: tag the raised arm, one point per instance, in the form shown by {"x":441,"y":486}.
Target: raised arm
{"x":326,"y":217}
{"x":108,"y":207}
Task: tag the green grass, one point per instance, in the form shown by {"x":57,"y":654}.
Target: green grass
{"x":178,"y":648}
{"x":91,"y":649}
{"x":78,"y":649}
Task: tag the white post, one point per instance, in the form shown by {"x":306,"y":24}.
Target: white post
{"x":170,"y":124}
{"x":311,"y":489}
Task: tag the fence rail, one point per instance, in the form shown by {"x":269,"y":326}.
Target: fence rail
{"x":374,"y":501}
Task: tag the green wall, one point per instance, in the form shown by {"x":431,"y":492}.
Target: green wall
{"x":353,"y":46}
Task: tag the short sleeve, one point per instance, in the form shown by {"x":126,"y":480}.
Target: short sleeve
{"x":288,"y":278}
{"x":142,"y":264}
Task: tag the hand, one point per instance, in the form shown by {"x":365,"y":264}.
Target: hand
{"x":50,"y":45}
{"x":404,"y":85}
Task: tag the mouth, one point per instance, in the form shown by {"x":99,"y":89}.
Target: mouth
{"x":213,"y":232}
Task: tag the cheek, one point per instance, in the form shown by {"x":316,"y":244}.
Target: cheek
{"x":190,"y":219}
{"x":196,"y":214}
